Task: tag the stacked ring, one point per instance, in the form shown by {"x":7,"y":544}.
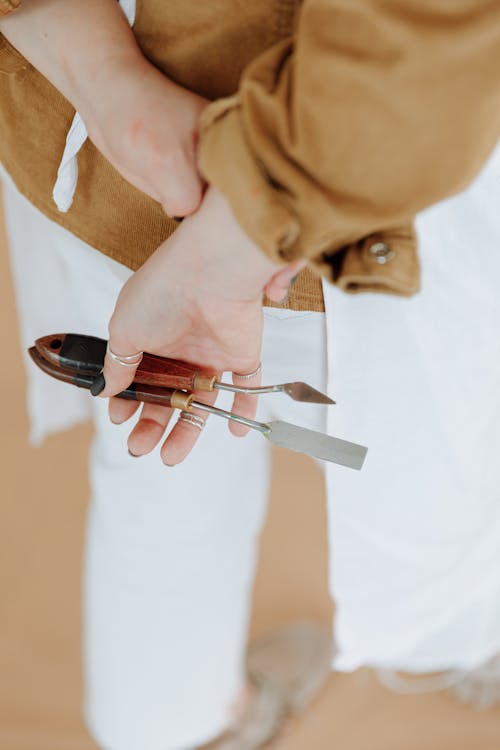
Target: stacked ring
{"x":248,"y":375}
{"x":130,"y":360}
{"x":192,"y":419}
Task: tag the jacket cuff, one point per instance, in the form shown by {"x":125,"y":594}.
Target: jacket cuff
{"x":7,"y":6}
{"x":225,"y":160}
{"x":385,"y":262}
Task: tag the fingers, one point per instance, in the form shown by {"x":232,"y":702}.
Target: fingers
{"x":120,"y":410}
{"x":245,"y":404}
{"x":184,"y":435}
{"x":278,"y":287}
{"x":182,"y":438}
{"x":149,"y":430}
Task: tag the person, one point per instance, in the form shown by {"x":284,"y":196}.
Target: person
{"x":346,"y":122}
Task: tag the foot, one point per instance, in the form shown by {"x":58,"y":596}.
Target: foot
{"x":286,"y":668}
{"x":481,"y":686}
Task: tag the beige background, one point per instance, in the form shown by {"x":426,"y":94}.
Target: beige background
{"x":41,"y":528}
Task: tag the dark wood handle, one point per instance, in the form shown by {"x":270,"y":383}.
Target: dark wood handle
{"x":173,"y":373}
{"x":86,"y":355}
{"x":136,"y":392}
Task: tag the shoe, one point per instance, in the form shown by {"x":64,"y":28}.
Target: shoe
{"x":288,"y":667}
{"x":479,"y":687}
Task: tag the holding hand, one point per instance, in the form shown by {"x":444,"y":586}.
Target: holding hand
{"x":147,"y":127}
{"x":198,"y":298}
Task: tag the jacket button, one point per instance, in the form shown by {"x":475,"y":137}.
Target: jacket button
{"x":381,"y":252}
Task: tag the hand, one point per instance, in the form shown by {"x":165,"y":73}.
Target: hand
{"x":198,"y":298}
{"x":147,"y":127}
{"x":142,"y":122}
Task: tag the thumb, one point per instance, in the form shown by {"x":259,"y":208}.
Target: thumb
{"x":120,"y":365}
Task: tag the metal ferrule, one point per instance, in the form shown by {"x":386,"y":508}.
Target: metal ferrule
{"x":204,"y":382}
{"x":181,"y":400}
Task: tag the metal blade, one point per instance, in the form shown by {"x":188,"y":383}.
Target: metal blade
{"x":298,"y":391}
{"x":302,"y":392}
{"x":316,"y":444}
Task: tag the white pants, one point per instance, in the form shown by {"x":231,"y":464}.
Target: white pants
{"x":414,"y":538}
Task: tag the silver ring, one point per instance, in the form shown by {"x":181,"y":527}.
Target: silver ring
{"x":193,"y":419}
{"x":130,"y":360}
{"x":249,"y":375}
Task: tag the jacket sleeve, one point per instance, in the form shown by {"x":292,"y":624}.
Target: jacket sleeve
{"x":374,"y":110}
{"x":7,"y":6}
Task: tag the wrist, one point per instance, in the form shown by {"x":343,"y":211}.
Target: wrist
{"x":217,"y":251}
{"x":246,"y":260}
{"x":97,"y":91}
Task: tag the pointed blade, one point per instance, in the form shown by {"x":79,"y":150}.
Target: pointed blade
{"x":302,"y":392}
{"x":316,"y":444}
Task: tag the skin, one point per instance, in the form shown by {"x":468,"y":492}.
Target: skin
{"x":199,"y":296}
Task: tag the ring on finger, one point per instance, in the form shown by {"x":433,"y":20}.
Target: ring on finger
{"x":192,"y":419}
{"x":248,"y":375}
{"x":126,"y":360}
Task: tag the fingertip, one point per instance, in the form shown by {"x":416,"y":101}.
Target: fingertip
{"x":244,"y":405}
{"x":149,"y":429}
{"x":279,"y":286}
{"x":276,"y":291}
{"x":116,"y":378}
{"x":238,"y":430}
{"x":187,"y":199}
{"x":181,"y":440}
{"x":120,"y":410}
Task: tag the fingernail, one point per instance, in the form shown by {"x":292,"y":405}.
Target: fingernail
{"x":134,"y":455}
{"x":285,"y":296}
{"x":98,"y":385}
{"x":171,"y":466}
{"x":289,"y":289}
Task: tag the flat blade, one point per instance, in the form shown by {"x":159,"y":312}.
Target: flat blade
{"x":302,"y":392}
{"x":316,"y":444}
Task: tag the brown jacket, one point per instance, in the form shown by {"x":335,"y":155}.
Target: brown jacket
{"x":333,"y":123}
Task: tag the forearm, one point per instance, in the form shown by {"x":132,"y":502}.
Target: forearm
{"x":75,"y":45}
{"x":371,"y":112}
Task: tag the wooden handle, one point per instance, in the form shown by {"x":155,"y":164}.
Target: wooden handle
{"x":86,"y":354}
{"x":173,"y":373}
{"x":136,"y":392}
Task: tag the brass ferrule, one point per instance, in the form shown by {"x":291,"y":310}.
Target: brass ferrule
{"x":204,"y":382}
{"x":181,"y":400}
